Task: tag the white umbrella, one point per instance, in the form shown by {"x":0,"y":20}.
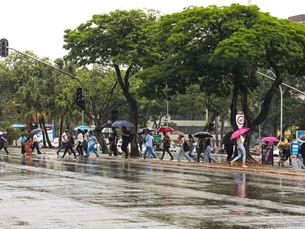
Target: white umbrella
{"x":107,"y":130}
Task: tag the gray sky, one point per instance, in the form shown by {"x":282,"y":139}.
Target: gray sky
{"x":39,"y":25}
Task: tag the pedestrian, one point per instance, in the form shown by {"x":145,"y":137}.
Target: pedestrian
{"x":69,"y":145}
{"x":229,"y":150}
{"x":35,"y":144}
{"x":241,"y":151}
{"x":22,"y":142}
{"x":200,"y":147}
{"x":64,"y":141}
{"x":125,"y":141}
{"x":166,"y":145}
{"x":91,"y":143}
{"x":28,"y":144}
{"x":3,"y":141}
{"x":113,"y":143}
{"x":286,"y":152}
{"x":80,"y":139}
{"x":281,"y":146}
{"x":302,"y":152}
{"x":153,"y":147}
{"x":85,"y":142}
{"x":149,"y":145}
{"x":207,"y":152}
{"x":141,"y":141}
{"x":192,"y":146}
{"x":182,"y":151}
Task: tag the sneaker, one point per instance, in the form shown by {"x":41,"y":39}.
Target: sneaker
{"x":57,"y":153}
{"x":74,"y":159}
{"x":244,"y":166}
{"x":97,"y":155}
{"x":231,"y":163}
{"x":161,"y":158}
{"x":171,"y":159}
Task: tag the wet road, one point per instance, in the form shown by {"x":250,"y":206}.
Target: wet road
{"x":45,"y":192}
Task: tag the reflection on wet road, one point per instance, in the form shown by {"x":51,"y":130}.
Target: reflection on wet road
{"x":49,"y":193}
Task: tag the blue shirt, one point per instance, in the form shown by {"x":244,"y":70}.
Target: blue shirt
{"x":148,"y":140}
{"x":91,"y":140}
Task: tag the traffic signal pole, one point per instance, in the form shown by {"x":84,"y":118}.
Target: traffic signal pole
{"x":61,"y":71}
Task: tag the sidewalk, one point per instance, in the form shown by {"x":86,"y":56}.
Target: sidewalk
{"x":294,"y":170}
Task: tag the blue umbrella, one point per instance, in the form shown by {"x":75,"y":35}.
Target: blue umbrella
{"x":121,"y":123}
{"x":82,"y":128}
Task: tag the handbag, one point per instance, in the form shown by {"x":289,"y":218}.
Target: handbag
{"x":5,"y":144}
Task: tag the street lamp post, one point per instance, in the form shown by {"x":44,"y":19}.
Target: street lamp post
{"x":259,"y":126}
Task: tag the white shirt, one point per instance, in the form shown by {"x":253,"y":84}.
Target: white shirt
{"x":35,"y":138}
{"x":64,"y":137}
{"x":148,"y":140}
{"x":240,"y":140}
{"x":80,"y":137}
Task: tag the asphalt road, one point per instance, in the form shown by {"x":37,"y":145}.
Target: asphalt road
{"x":46,"y":192}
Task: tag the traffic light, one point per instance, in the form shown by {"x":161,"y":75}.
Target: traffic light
{"x":80,"y":99}
{"x":4,"y":47}
{"x":114,"y":115}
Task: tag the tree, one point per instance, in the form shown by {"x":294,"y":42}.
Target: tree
{"x":117,"y":39}
{"x":219,"y":46}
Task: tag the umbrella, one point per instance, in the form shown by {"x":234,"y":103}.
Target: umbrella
{"x":302,"y":138}
{"x":239,"y":132}
{"x":82,"y":128}
{"x":179,"y":133}
{"x":165,"y":129}
{"x":226,"y":139}
{"x":121,"y":123}
{"x":142,"y":131}
{"x":269,"y":139}
{"x":35,"y":131}
{"x":203,"y":134}
{"x":107,"y":130}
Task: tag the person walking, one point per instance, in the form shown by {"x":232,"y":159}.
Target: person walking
{"x":80,"y":139}
{"x":149,"y":145}
{"x":4,"y":142}
{"x":125,"y":141}
{"x":22,"y":142}
{"x":192,"y":146}
{"x":302,"y":152}
{"x":91,"y":142}
{"x":69,"y":145}
{"x":28,"y":144}
{"x":64,"y":141}
{"x":36,"y":144}
{"x":182,"y":151}
{"x":113,"y":143}
{"x":199,"y":148}
{"x":207,"y":153}
{"x":286,"y":152}
{"x":281,"y":146}
{"x":241,"y":151}
{"x":166,"y":145}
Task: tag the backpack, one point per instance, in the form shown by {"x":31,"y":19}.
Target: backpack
{"x":186,"y":146}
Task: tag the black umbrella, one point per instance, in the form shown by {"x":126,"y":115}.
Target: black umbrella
{"x":226,"y":139}
{"x":35,"y":131}
{"x":203,"y":134}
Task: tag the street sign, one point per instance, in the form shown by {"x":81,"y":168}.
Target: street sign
{"x":240,"y":120}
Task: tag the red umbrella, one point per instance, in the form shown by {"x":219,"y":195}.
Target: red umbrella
{"x":165,"y":129}
{"x":239,"y":132}
{"x":270,"y":139}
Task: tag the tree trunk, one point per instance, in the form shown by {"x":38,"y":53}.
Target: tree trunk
{"x":61,"y":129}
{"x":45,"y":134}
{"x":222,"y":126}
{"x":132,"y":104}
{"x":216,"y":132}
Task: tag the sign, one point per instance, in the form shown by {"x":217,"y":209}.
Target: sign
{"x":240,"y":120}
{"x":158,"y":138}
{"x":267,"y":154}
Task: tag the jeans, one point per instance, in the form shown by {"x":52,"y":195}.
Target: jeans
{"x":191,"y":153}
{"x":150,"y":152}
{"x":91,"y":147}
{"x":181,"y":152}
{"x":62,"y":146}
{"x":241,"y":153}
{"x":208,"y":155}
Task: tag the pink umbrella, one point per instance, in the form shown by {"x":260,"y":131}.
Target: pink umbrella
{"x":239,"y":132}
{"x":270,"y":139}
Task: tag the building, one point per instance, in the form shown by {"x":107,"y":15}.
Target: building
{"x":298,"y":18}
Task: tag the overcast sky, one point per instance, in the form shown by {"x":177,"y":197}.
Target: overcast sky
{"x":39,"y":25}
